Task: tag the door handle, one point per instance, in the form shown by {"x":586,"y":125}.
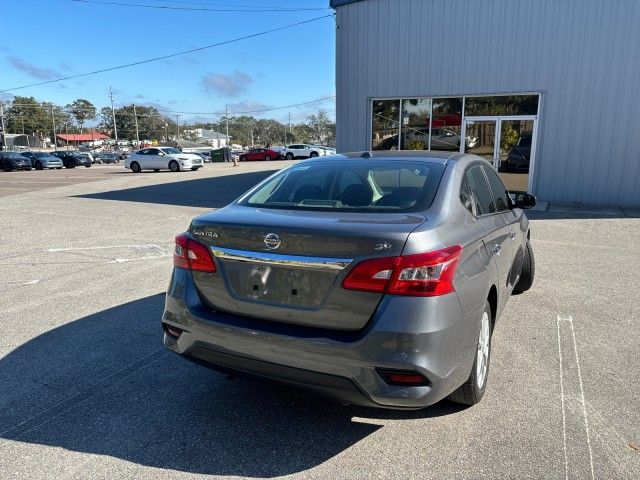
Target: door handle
{"x":512,"y":234}
{"x":496,"y":249}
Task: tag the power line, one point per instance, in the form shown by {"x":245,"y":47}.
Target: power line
{"x":209,"y":4}
{"x":164,"y":57}
{"x":202,"y":9}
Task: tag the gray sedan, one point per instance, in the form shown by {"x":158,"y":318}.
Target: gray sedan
{"x":374,"y":279}
{"x":42,"y":160}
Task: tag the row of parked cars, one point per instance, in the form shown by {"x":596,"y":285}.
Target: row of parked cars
{"x":289,"y":152}
{"x":49,"y":160}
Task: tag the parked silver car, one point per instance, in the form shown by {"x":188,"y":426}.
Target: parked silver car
{"x":375,"y":279}
{"x":42,"y":160}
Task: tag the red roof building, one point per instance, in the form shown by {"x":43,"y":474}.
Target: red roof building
{"x":81,"y":137}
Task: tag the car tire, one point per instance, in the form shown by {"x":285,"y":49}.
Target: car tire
{"x":88,"y":166}
{"x":289,"y":156}
{"x":472,"y":391}
{"x":156,"y":169}
{"x":71,"y":166}
{"x":528,"y":271}
{"x":58,"y":168}
{"x":267,"y":158}
{"x":243,"y":158}
{"x":313,"y":154}
{"x":39,"y":166}
{"x":135,"y":167}
{"x":173,"y":166}
{"x":195,"y":169}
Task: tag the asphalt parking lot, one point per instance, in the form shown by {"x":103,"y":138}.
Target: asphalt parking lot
{"x":89,"y":391}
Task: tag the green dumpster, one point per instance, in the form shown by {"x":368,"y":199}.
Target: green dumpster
{"x":217,"y":155}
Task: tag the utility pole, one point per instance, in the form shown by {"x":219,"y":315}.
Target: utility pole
{"x":53,"y":120}
{"x":226,"y":118}
{"x":178,"y":126}
{"x":285,"y":137}
{"x":2,"y":125}
{"x":113,"y":115}
{"x":135,"y":117}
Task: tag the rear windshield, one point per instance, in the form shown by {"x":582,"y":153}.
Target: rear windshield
{"x":352,"y":185}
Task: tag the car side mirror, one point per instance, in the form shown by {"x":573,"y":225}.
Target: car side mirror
{"x":161,"y":154}
{"x":524,"y":200}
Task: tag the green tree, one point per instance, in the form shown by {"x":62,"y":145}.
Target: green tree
{"x":152,"y":125}
{"x":82,"y":110}
{"x":324,"y":130}
{"x":27,"y":115}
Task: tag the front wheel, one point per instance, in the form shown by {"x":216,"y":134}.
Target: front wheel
{"x":173,"y":166}
{"x":243,"y":158}
{"x":38,"y":166}
{"x":267,"y":158}
{"x":314,"y":154}
{"x":528,"y":271}
{"x":135,"y":167}
{"x":472,"y":391}
{"x":289,"y":156}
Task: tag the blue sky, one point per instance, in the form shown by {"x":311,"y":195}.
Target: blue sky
{"x":47,"y":39}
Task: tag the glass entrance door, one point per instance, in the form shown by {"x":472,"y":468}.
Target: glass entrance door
{"x":480,"y":138}
{"x":514,"y":153}
{"x":506,"y":143}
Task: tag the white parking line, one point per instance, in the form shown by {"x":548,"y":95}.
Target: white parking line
{"x":569,"y":397}
{"x":124,"y":260}
{"x":75,"y":249}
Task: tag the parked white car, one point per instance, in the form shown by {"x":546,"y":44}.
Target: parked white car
{"x":301,"y":151}
{"x":162,"y":158}
{"x":326,"y":150}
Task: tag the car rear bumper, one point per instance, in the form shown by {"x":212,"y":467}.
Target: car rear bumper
{"x":428,"y":336}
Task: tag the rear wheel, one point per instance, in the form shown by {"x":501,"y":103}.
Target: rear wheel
{"x":267,"y":158}
{"x":38,"y":166}
{"x":289,"y":156}
{"x":314,"y":154}
{"x":243,"y":158}
{"x":173,"y":166}
{"x":472,"y":391}
{"x":528,"y":271}
{"x":135,"y":167}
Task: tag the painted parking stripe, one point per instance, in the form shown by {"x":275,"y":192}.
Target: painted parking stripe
{"x":578,"y":455}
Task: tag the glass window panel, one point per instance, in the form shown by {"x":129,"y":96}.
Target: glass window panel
{"x":446,"y":125}
{"x":385,"y":125}
{"x":415,"y":124}
{"x":501,"y":105}
{"x":478,"y":186}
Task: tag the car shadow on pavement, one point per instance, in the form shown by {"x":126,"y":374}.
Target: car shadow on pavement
{"x":106,"y":385}
{"x":212,"y":192}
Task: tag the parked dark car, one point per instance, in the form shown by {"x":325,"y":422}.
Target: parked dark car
{"x":520,"y":154}
{"x":72,"y":158}
{"x":106,"y":157}
{"x":42,"y":160}
{"x":14,"y":161}
{"x":260,"y":154}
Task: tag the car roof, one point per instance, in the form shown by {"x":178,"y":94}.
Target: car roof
{"x":426,"y":155}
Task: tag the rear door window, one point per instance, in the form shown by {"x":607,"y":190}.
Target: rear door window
{"x":482,"y":198}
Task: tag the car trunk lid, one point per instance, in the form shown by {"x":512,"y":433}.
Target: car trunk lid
{"x":288,"y":266}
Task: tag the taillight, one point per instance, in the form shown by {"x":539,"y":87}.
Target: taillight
{"x":192,"y":255}
{"x":424,"y":275}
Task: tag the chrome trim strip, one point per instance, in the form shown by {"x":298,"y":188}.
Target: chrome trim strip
{"x":276,"y":259}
